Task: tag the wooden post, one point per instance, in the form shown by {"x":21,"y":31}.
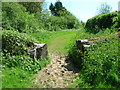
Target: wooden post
{"x":39,"y":51}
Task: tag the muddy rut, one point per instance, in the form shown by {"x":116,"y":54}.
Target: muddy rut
{"x":58,"y":74}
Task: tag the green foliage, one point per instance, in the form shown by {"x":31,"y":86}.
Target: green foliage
{"x":15,"y":43}
{"x":32,"y":7}
{"x":25,"y":62}
{"x":101,"y":64}
{"x":76,"y":57}
{"x":20,"y":69}
{"x":103,"y":21}
{"x":62,"y":18}
{"x":56,"y":8}
{"x":16,"y":65}
{"x":15,"y":17}
{"x":64,"y":22}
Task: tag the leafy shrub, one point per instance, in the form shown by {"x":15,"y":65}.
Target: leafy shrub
{"x":76,"y":57}
{"x":101,"y":65}
{"x":64,"y":22}
{"x":15,"y":43}
{"x":15,"y":17}
{"x":103,"y":21}
{"x":25,"y":62}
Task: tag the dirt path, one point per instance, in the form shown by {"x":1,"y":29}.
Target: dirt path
{"x":58,"y":74}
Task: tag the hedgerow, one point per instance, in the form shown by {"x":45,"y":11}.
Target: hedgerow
{"x":101,"y":22}
{"x":99,"y":66}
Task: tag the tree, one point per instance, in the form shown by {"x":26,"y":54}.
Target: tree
{"x":62,"y":18}
{"x":104,"y":8}
{"x":33,"y":7}
{"x":55,"y":9}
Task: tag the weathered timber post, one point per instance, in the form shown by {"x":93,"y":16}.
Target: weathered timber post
{"x":39,"y":51}
{"x":81,"y":44}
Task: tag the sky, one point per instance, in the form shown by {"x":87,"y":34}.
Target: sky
{"x":85,"y":9}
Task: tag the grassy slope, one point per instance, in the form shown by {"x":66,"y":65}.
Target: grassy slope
{"x":58,"y":42}
{"x":61,"y":43}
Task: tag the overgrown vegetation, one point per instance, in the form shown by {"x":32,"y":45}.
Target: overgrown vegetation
{"x":101,"y":22}
{"x":15,"y":60}
{"x":99,"y":65}
{"x":24,"y":23}
{"x":65,"y":19}
{"x":16,"y":43}
{"x":17,"y":16}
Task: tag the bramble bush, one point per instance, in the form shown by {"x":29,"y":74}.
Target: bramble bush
{"x":14,"y":46}
{"x":76,"y":57}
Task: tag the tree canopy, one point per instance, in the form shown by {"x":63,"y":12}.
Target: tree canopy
{"x":104,"y":8}
{"x":32,"y":7}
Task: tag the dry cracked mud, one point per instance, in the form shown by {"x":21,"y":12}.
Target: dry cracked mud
{"x":58,"y":74}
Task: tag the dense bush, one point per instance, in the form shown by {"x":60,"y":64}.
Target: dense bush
{"x":100,"y":66}
{"x":64,"y":22}
{"x":76,"y":57}
{"x":15,"y":17}
{"x":102,"y":21}
{"x":15,"y":43}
